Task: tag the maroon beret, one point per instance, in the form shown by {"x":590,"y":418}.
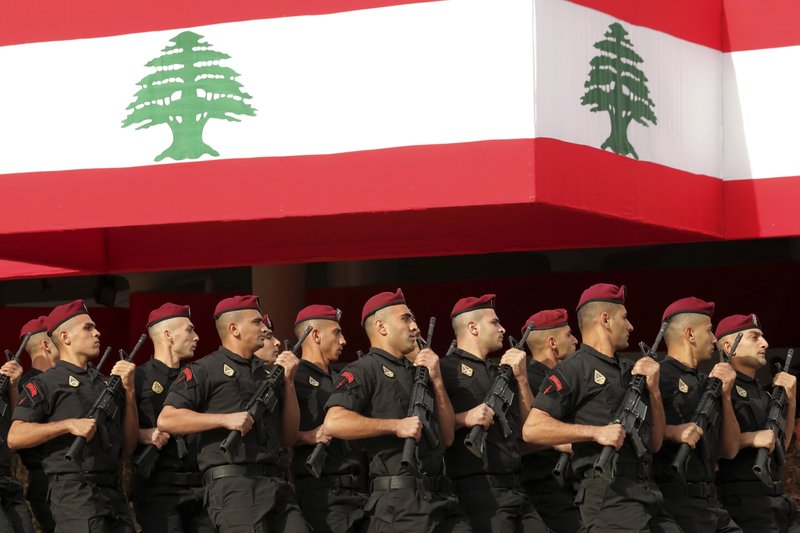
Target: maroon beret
{"x":166,"y":311}
{"x":268,"y":321}
{"x":547,"y":319}
{"x":603,"y":292}
{"x":62,"y":313}
{"x":379,"y":301}
{"x":470,"y":303}
{"x":37,"y":325}
{"x":736,"y":323}
{"x":237,"y":303}
{"x":318,"y":312}
{"x":688,"y":305}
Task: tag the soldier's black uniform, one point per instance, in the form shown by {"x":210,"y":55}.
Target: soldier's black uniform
{"x":37,"y":480}
{"x":488,"y":488}
{"x":335,"y":501}
{"x":693,"y":504}
{"x":555,"y":504}
{"x":379,"y":386}
{"x":14,"y":514}
{"x":249,"y":494}
{"x":587,"y":388}
{"x":754,"y":506}
{"x":171,"y":498}
{"x":86,"y":497}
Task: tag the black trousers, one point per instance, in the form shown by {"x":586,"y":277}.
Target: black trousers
{"x":700,"y":515}
{"x":37,"y":498}
{"x":625,"y":505}
{"x":81,"y":506}
{"x":257,"y":504}
{"x":332,"y":511}
{"x":14,"y":514}
{"x":408,"y":510}
{"x":502,"y":510}
{"x":760,"y":513}
{"x":171,"y":509}
{"x":556,"y":505}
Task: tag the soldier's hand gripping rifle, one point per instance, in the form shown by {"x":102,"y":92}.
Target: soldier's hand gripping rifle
{"x":630,"y":414}
{"x":421,"y":406}
{"x":263,"y":401}
{"x":705,"y":414}
{"x":776,"y":421}
{"x":104,"y":409}
{"x":499,"y":398}
{"x":5,"y":381}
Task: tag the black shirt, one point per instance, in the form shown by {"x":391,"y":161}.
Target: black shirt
{"x":681,"y":389}
{"x":468,"y":379}
{"x":30,"y":457}
{"x":223,"y":382}
{"x":587,"y":388}
{"x":751,"y":404}
{"x":153,"y":379}
{"x":379,"y":386}
{"x":538,"y":466}
{"x":314,"y":387}
{"x":69,"y":391}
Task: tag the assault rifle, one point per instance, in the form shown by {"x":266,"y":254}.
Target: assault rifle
{"x":630,"y":414}
{"x":263,"y":401}
{"x":452,"y":348}
{"x":5,"y":380}
{"x":560,"y":470}
{"x":499,"y":398}
{"x":104,"y":410}
{"x":421,"y":406}
{"x":705,"y":414}
{"x":776,"y":421}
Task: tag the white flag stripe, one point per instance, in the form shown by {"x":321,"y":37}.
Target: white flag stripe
{"x":684,"y":81}
{"x":430,"y":73}
{"x":761,"y":113}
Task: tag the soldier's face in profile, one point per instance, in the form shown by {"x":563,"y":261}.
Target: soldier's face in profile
{"x":332,"y":340}
{"x":620,"y":327}
{"x":565,"y":342}
{"x":252,"y":330}
{"x":401,"y":328}
{"x":84,"y":336}
{"x":491,"y":331}
{"x":752,"y":350}
{"x":184,"y":338}
{"x":271,"y":349}
{"x":704,"y":338}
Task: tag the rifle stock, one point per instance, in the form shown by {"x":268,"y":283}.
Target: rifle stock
{"x":777,"y":423}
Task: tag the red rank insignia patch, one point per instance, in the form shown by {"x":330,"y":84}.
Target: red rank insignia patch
{"x":347,"y":378}
{"x":185,"y":375}
{"x":554,"y":382}
{"x":32,"y":389}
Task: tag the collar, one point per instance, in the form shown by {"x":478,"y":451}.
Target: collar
{"x":745,"y":378}
{"x":538,"y":364}
{"x":314,"y":368}
{"x":466,"y":355}
{"x":236,"y":358}
{"x":403,"y":361}
{"x":163,"y":368}
{"x":613,"y":361}
{"x":682,"y":367}
{"x":69,"y":367}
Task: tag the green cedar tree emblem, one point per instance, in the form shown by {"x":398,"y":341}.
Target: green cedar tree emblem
{"x":618,"y":86}
{"x":188,"y":88}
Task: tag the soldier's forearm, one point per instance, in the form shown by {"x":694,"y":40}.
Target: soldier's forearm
{"x":290,"y":416}
{"x":341,"y":423}
{"x":544,"y":430}
{"x":185,"y":421}
{"x":790,"y":414}
{"x":130,"y":427}
{"x":730,"y":434}
{"x":658,"y":421}
{"x":24,"y":435}
{"x":444,"y":412}
{"x":524,"y":397}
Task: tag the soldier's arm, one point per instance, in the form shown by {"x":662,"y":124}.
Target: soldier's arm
{"x":13,"y":370}
{"x":542,"y":429}
{"x":789,"y":383}
{"x":651,"y":369}
{"x":444,"y":409}
{"x":23,"y":434}
{"x":130,"y":416}
{"x":290,"y":412}
{"x":729,"y":433}
{"x":183,"y":421}
{"x":341,"y":423}
{"x":516,"y":358}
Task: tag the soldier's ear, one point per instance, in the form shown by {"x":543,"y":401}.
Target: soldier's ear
{"x":689,"y":334}
{"x":551,"y":342}
{"x":315,"y":334}
{"x":472,"y":327}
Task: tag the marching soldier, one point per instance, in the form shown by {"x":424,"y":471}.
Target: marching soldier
{"x":371,"y":402}
{"x":754,"y":506}
{"x":575,"y":404}
{"x":335,"y":501}
{"x":692,"y":501}
{"x":170,"y":498}
{"x":51,"y":411}
{"x":272,"y":345}
{"x":487,"y":487}
{"x":44,"y":356}
{"x":550,"y":342}
{"x":249,"y":493}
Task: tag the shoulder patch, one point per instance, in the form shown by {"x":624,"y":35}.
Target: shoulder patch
{"x":228,"y":371}
{"x":346,"y":378}
{"x":682,"y":386}
{"x":157,"y":387}
{"x":73,"y":382}
{"x":599,"y":378}
{"x":313,"y":382}
{"x":741,"y":391}
{"x":388,"y":373}
{"x":186,"y":376}
{"x":31,"y":395}
{"x":467,"y":370}
{"x":554,"y":384}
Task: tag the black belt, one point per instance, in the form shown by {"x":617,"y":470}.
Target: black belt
{"x":105,"y":479}
{"x":177,"y":479}
{"x":253,"y":470}
{"x":750,"y":488}
{"x":701,"y":489}
{"x":486,"y":481}
{"x":333,"y":482}
{"x":425,"y":483}
{"x":545,"y":486}
{"x":640,"y":471}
